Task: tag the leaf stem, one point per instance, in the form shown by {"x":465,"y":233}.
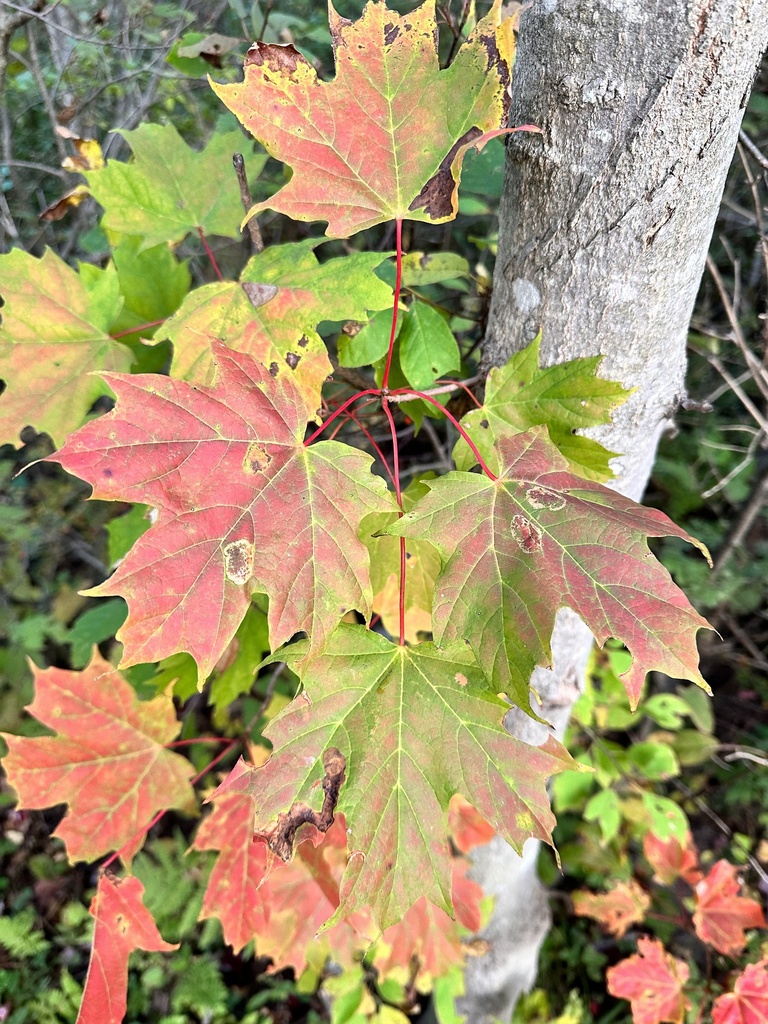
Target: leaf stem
{"x":399,"y":496}
{"x":138,"y":328}
{"x":396,"y":303}
{"x":338,"y":412}
{"x":433,"y":401}
{"x":209,"y":253}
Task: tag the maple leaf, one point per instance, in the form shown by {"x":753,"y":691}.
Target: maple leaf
{"x":256,"y":896}
{"x":467,"y":826}
{"x":653,"y":982}
{"x":748,"y":1003}
{"x":616,"y":910}
{"x":165,"y":192}
{"x":272,"y":313}
{"x":242,"y":506}
{"x":383,"y":140}
{"x":566,"y":397}
{"x":516,"y":549}
{"x":107,"y":759}
{"x":721,"y":915}
{"x":235,"y":894}
{"x":415,"y":725}
{"x":123,"y":924}
{"x":672,"y":859}
{"x":54,"y":331}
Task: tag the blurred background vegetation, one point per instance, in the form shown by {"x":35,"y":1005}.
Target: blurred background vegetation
{"x":94,"y":68}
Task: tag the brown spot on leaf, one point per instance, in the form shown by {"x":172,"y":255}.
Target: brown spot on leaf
{"x":461,"y":679}
{"x":274,"y":369}
{"x":281,"y":838}
{"x":526,"y":533}
{"x":292,"y":359}
{"x":282,"y":59}
{"x":303,"y":341}
{"x":540,"y":497}
{"x":257,"y":458}
{"x":259,"y":294}
{"x":238,"y":561}
{"x":484,"y":424}
{"x":391,"y":32}
{"x":436,"y":197}
{"x":106,"y":472}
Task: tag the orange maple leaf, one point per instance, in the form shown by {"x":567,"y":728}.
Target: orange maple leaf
{"x":671,"y":859}
{"x":748,"y":1003}
{"x":616,"y":910}
{"x":653,"y":982}
{"x":123,"y":924}
{"x":721,"y":915}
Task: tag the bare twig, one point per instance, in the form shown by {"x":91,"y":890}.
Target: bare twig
{"x":746,"y":141}
{"x":245,"y":197}
{"x":758,"y":371}
{"x":444,"y":389}
{"x":749,"y":513}
{"x":744,"y":398}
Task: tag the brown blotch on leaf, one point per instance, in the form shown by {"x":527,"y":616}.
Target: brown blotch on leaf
{"x":274,"y":369}
{"x":484,"y":424}
{"x":293,"y":360}
{"x":282,"y":59}
{"x":257,"y":458}
{"x":280,"y":839}
{"x":303,"y":341}
{"x":526,"y":533}
{"x":391,"y":32}
{"x":238,"y":561}
{"x":436,"y":197}
{"x":541,"y":497}
{"x":259,"y":294}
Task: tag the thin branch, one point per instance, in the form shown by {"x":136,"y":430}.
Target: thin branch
{"x":758,"y":371}
{"x":245,"y":198}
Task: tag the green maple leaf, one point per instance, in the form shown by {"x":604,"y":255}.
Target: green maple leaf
{"x":415,"y":725}
{"x":537,"y":539}
{"x":170,"y":189}
{"x":566,"y":397}
{"x":383,"y":140}
{"x":54,"y":332}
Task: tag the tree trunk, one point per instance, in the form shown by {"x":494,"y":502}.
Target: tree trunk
{"x":604,"y":227}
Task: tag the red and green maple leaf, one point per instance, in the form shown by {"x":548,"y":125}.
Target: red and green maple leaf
{"x":54,"y":332}
{"x":123,"y":924}
{"x":383,"y":140}
{"x":538,"y":538}
{"x":242,"y":506}
{"x":415,"y":725}
{"x":107,"y":760}
{"x":721,"y":915}
{"x":653,"y":983}
{"x":626,"y":904}
{"x":566,"y":397}
{"x":748,"y":1003}
{"x":272,"y":313}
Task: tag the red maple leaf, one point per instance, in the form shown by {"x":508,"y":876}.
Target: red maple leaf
{"x":748,"y":1003}
{"x":624,"y":905}
{"x":107,"y":760}
{"x":123,"y":924}
{"x":671,"y":859}
{"x":653,"y":982}
{"x":242,"y":506}
{"x":721,"y":915}
{"x":258,"y":897}
{"x":371,"y":145}
{"x":539,"y":538}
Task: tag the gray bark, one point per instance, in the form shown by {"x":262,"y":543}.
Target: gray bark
{"x":604,"y":228}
